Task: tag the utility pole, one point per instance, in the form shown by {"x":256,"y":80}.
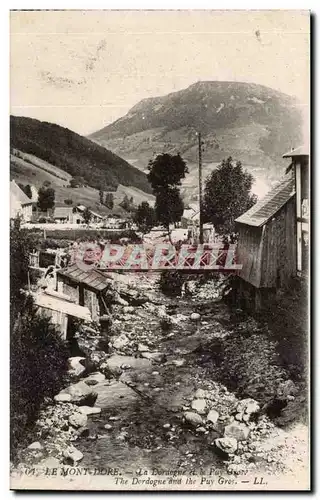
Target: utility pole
{"x":200,"y":188}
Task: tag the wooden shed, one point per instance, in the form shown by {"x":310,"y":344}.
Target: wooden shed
{"x":87,"y":288}
{"x":267,"y":242}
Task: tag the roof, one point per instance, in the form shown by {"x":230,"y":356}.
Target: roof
{"x":266,"y":208}
{"x":62,"y":212}
{"x":56,"y":304}
{"x":300,"y":151}
{"x":95,"y":214}
{"x":92,"y":279}
{"x":17,"y":193}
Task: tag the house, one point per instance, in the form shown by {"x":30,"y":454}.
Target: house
{"x":300,"y":167}
{"x":87,"y":288}
{"x":20,"y":204}
{"x":267,"y":243}
{"x":61,"y":310}
{"x":69,"y":215}
{"x":190,"y":216}
{"x":95,"y":217}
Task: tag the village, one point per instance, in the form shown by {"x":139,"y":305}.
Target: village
{"x":144,"y":370}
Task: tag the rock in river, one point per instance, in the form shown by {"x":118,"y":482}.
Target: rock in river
{"x":35,"y":446}
{"x":120,"y":341}
{"x":226,"y":444}
{"x":89,"y":410}
{"x":71,"y":453}
{"x":237,"y":430}
{"x":248,"y":406}
{"x":81,"y":394}
{"x":159,"y":357}
{"x":213,"y":416}
{"x":195,"y":316}
{"x":199,"y":405}
{"x":94,"y":378}
{"x":78,"y":420}
{"x":76,"y":367}
{"x":62,"y":398}
{"x":192,"y":418}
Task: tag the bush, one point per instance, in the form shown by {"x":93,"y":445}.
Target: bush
{"x":38,"y":369}
{"x":171,"y":283}
{"x":38,"y":356}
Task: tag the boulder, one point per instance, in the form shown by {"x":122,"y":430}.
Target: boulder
{"x":89,"y":410}
{"x":248,"y":406}
{"x":35,"y":446}
{"x":76,"y":368}
{"x":159,"y":357}
{"x":71,"y":453}
{"x":192,"y":418}
{"x":81,"y":394}
{"x":62,"y":398}
{"x":195,"y":316}
{"x":213,"y":416}
{"x":201,"y":430}
{"x":226,"y":444}
{"x":120,"y":341}
{"x":78,"y":420}
{"x":143,"y":348}
{"x":237,"y":430}
{"x":199,"y":405}
{"x":94,"y":378}
{"x":200,"y":394}
{"x":128,"y":309}
{"x":179,"y":362}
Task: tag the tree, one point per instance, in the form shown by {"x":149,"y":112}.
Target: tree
{"x":68,"y":201}
{"x":87,"y":215}
{"x":125,"y":204}
{"x":26,"y":189}
{"x":227,"y":195}
{"x":145,"y":217}
{"x":166,"y":171}
{"x":169,"y":207}
{"x":101,"y":196}
{"x":46,"y":198}
{"x":109,"y":203}
{"x":77,"y":181}
{"x":165,"y":175}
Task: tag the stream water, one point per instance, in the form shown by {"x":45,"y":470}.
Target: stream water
{"x":141,"y":408}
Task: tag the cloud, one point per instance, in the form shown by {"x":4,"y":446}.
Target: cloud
{"x":91,"y":61}
{"x":59,"y":81}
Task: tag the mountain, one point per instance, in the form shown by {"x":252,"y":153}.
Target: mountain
{"x":51,"y":146}
{"x":251,"y":123}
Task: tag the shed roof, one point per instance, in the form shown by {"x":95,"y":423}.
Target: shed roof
{"x":64,"y":306}
{"x":300,"y":151}
{"x":262,"y":211}
{"x":92,"y":279}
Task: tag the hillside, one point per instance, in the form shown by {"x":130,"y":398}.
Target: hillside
{"x":74,"y":155}
{"x":252,"y":123}
{"x":28,"y":169}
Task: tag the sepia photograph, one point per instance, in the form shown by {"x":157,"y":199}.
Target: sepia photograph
{"x":159,"y":250}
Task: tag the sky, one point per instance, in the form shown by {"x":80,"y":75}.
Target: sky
{"x":85,"y":69}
